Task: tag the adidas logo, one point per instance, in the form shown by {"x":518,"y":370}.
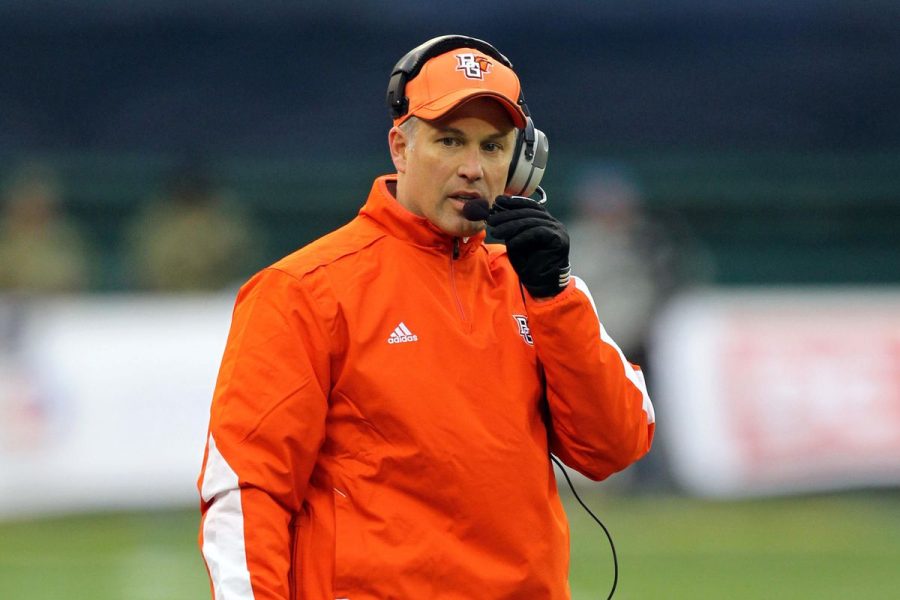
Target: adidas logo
{"x":402,"y":334}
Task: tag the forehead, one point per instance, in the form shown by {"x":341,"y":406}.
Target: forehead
{"x":478,"y":111}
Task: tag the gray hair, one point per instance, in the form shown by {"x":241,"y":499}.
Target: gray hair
{"x":408,"y":127}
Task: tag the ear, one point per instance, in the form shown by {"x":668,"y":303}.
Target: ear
{"x":399,"y":146}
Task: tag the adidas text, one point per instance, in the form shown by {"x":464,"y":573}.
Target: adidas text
{"x":402,"y":334}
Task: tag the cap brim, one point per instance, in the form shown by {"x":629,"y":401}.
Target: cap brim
{"x":440,"y":107}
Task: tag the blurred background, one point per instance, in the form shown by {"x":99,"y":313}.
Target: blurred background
{"x":729,"y":172}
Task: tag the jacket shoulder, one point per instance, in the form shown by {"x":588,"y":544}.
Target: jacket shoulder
{"x":343,"y":242}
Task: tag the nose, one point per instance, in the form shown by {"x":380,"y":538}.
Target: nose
{"x":470,"y":167}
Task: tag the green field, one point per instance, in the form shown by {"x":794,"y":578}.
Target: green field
{"x":842,"y":546}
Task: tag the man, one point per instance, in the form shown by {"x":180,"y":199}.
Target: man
{"x":390,"y":394}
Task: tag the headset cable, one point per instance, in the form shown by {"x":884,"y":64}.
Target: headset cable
{"x":612,"y":546}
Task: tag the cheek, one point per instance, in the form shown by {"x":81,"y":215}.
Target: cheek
{"x":422,"y":172}
{"x":430,"y":186}
{"x":498,"y":177}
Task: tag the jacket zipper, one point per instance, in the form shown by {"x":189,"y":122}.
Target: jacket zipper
{"x":454,"y":255}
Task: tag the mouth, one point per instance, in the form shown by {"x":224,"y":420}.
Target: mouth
{"x":465,"y":196}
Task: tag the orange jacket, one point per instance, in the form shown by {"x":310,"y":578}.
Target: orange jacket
{"x":383,"y":417}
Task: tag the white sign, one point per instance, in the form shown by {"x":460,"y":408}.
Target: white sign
{"x":104,"y":401}
{"x":780,"y":391}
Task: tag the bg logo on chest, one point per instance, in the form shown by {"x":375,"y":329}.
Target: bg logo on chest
{"x":524,"y":331}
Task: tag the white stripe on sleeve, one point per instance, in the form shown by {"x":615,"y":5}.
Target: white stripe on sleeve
{"x":223,"y":529}
{"x":633,"y":375}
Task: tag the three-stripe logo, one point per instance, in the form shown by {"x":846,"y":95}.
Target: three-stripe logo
{"x":402,"y":334}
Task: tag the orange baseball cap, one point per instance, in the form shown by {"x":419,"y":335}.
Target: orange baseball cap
{"x":449,"y":79}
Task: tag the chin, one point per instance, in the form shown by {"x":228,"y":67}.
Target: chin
{"x":453,"y":223}
{"x":465,"y":228}
{"x":476,"y":227}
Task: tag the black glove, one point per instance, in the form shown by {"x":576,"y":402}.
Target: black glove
{"x":537,"y":244}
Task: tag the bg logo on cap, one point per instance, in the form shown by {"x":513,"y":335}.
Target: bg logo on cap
{"x":473,"y":66}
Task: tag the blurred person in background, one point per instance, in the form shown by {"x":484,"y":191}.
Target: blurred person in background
{"x":632,"y":262}
{"x":41,"y":250}
{"x":390,"y":394}
{"x":192,"y":238}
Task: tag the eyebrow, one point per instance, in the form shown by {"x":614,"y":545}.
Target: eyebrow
{"x":460,"y":133}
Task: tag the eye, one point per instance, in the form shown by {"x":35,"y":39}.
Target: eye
{"x":492,"y":147}
{"x":450,"y":141}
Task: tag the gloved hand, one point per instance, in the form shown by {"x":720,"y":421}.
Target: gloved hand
{"x":537,"y":244}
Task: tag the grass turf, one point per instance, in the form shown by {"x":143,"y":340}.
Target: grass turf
{"x":842,"y":546}
{"x":822,"y":547}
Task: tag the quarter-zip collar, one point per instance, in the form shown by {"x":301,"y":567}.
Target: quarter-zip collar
{"x":383,"y":208}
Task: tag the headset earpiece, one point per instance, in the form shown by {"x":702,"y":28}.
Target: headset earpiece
{"x":529,"y":161}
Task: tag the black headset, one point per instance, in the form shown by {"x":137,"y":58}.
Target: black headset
{"x":531,"y":149}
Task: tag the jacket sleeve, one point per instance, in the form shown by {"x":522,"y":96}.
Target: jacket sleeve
{"x":601,"y":417}
{"x":267,"y":423}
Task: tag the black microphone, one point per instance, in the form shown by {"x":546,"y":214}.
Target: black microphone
{"x":476,"y":209}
